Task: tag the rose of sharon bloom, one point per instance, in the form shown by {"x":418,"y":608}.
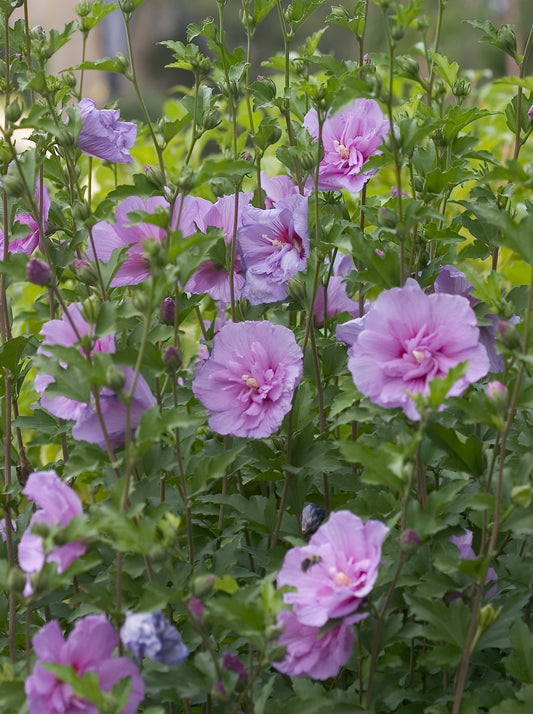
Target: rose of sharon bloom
{"x":103,"y":136}
{"x":311,"y":653}
{"x":150,"y":634}
{"x":88,"y":648}
{"x":349,"y":138}
{"x":87,"y":426}
{"x":466,"y":552}
{"x":248,"y":381}
{"x":408,"y":339}
{"x":335,"y":299}
{"x":58,"y":504}
{"x":336,"y":571}
{"x":109,"y":236}
{"x":63,"y":332}
{"x":210,"y":277}
{"x":274,"y":246}
{"x":30,"y":242}
{"x":451,"y":280}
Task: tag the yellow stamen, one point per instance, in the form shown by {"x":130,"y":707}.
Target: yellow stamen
{"x":419,"y":355}
{"x":250,"y":381}
{"x":343,"y":151}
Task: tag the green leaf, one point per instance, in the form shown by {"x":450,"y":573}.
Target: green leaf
{"x":519,"y":663}
{"x":463,"y":455}
{"x":11,"y":352}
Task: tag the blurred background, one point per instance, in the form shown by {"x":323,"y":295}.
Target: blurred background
{"x":157,"y":20}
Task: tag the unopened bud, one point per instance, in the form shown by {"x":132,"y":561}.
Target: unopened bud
{"x":16,"y":580}
{"x":410,"y":542}
{"x":496,"y":390}
{"x":12,"y":185}
{"x":13,"y":111}
{"x":115,"y":378}
{"x":203,"y":584}
{"x":461,"y":88}
{"x":521,"y":495}
{"x":172,"y":358}
{"x":168,"y":310}
{"x":312,"y":517}
{"x":38,"y":272}
{"x":487,"y":616}
{"x":196,"y":609}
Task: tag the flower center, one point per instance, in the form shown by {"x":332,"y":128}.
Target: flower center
{"x":250,"y":382}
{"x":340,"y":577}
{"x":419,"y":355}
{"x":343,"y":151}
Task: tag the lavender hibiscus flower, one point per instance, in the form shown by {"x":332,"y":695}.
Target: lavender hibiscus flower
{"x":88,"y":648}
{"x":311,"y":653}
{"x":67,"y":332}
{"x":334,"y":300}
{"x":248,"y":381}
{"x":58,"y":504}
{"x":210,"y":277}
{"x":349,"y":138}
{"x":31,"y":241}
{"x":107,"y":237}
{"x":336,"y":571}
{"x":453,"y":281}
{"x":150,"y":634}
{"x":274,"y":246}
{"x":87,"y":427}
{"x":408,"y":339}
{"x":103,"y":136}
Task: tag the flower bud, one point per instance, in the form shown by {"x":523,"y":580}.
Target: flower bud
{"x":521,"y":496}
{"x":90,"y":308}
{"x":496,"y":391}
{"x":387,"y":218}
{"x":16,"y":580}
{"x":141,"y":302}
{"x":12,"y":185}
{"x":13,"y":111}
{"x":211,"y":120}
{"x":530,"y":113}
{"x":410,"y":542}
{"x":115,"y":378}
{"x":461,"y":88}
{"x":203,"y":584}
{"x":312,"y":517}
{"x":168,"y":310}
{"x":307,"y":161}
{"x":84,"y":271}
{"x":172,"y":359}
{"x":487,"y":616}
{"x":38,"y":272}
{"x":196,"y":609}
{"x":83,"y":8}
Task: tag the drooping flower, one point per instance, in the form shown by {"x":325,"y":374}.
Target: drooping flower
{"x":466,"y":552}
{"x":88,"y":427}
{"x":453,"y":281}
{"x":232,"y":663}
{"x":408,"y":339}
{"x":311,"y":653}
{"x":274,"y":246}
{"x":66,"y":332}
{"x":312,"y":517}
{"x":335,"y":299}
{"x":210,"y":277}
{"x":336,"y":571}
{"x":58,"y":504}
{"x":349,"y":138}
{"x":103,"y":136}
{"x":150,"y":634}
{"x":109,"y":236}
{"x":31,"y":240}
{"x":248,"y":381}
{"x":88,"y":648}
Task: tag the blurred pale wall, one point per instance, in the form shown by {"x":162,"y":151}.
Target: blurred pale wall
{"x":55,"y":14}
